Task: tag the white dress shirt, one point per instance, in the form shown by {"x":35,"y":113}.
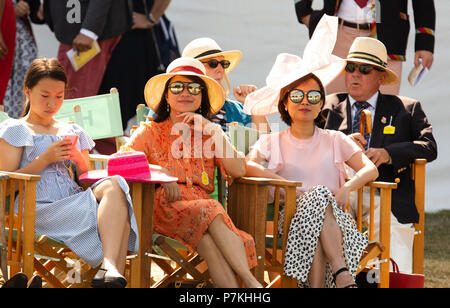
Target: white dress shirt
{"x":372,"y":102}
{"x":350,"y":11}
{"x":89,"y":33}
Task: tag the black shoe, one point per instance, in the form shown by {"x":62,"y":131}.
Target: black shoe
{"x":35,"y":282}
{"x":108,"y":279}
{"x":19,"y":280}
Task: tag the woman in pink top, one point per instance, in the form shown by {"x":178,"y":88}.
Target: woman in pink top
{"x":316,"y":157}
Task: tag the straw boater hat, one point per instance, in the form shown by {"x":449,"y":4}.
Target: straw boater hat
{"x":371,"y":51}
{"x":184,"y":66}
{"x":317,"y":59}
{"x":205,"y":47}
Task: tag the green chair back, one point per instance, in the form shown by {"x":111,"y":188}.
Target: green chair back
{"x":3,"y":116}
{"x":98,"y":115}
{"x":243,"y":137}
{"x":142,"y":112}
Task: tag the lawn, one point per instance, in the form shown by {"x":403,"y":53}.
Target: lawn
{"x":437,"y":249}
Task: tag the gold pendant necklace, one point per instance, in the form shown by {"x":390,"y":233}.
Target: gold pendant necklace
{"x":205,"y":179}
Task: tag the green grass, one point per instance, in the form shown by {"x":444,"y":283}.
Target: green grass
{"x":437,"y":250}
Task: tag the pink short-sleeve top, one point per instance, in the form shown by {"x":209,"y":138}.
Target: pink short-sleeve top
{"x":319,"y":160}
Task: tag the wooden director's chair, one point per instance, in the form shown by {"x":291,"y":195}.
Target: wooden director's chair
{"x":250,"y":215}
{"x":17,"y":234}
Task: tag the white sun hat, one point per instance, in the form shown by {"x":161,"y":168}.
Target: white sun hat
{"x":317,"y":59}
{"x":205,"y":47}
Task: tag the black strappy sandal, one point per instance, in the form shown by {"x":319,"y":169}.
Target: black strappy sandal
{"x":339,"y":271}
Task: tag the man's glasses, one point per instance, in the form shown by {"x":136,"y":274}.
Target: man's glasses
{"x":364,"y":69}
{"x":296,"y":96}
{"x":193,"y":88}
{"x":213,"y":63}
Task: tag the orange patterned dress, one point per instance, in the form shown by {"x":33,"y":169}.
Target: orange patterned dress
{"x":186,"y":220}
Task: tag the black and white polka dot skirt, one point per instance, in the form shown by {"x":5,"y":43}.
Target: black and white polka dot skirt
{"x":305,"y":230}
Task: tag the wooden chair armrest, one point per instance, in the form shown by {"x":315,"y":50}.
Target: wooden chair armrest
{"x":267,"y":181}
{"x":98,"y":157}
{"x":22,"y":176}
{"x":378,"y":184}
{"x":420,"y":161}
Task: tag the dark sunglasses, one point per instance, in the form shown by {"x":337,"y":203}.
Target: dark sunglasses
{"x":364,"y":69}
{"x":296,"y":96}
{"x":193,"y":88}
{"x":213,"y":63}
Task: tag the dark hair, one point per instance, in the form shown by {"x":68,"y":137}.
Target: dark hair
{"x":43,"y":68}
{"x":162,"y":113}
{"x":284,"y":97}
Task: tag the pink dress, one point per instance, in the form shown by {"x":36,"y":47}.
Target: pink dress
{"x":319,"y":163}
{"x":319,"y":160}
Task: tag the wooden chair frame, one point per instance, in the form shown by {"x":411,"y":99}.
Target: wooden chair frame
{"x":418,"y":175}
{"x":249,"y":214}
{"x":20,"y":227}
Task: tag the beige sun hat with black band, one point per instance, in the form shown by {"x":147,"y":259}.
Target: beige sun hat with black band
{"x":371,"y":51}
{"x":205,"y":48}
{"x":184,"y":66}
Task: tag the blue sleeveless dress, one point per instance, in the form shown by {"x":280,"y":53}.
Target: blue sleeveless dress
{"x":64,"y":211}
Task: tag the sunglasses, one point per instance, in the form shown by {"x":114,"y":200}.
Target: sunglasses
{"x":364,"y":69}
{"x":213,"y":63}
{"x":193,"y":88}
{"x":296,"y":96}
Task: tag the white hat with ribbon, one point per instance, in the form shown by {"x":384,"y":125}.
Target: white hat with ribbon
{"x":317,"y":59}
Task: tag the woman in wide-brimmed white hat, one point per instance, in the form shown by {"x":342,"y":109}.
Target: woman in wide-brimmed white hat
{"x":218,"y":64}
{"x":183,"y":99}
{"x":320,"y":231}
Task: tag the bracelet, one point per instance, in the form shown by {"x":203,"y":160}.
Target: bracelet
{"x":151,"y":19}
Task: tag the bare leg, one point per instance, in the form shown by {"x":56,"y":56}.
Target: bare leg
{"x":219,"y":269}
{"x":317,"y":271}
{"x":331,"y":242}
{"x":233,"y":251}
{"x":113,"y":223}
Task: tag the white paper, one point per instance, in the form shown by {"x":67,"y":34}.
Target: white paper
{"x":417,"y":74}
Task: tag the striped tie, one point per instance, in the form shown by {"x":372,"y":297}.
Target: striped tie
{"x":360,"y":106}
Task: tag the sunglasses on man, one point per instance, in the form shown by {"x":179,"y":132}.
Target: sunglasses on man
{"x":213,"y":63}
{"x":313,"y":97}
{"x":193,"y":88}
{"x":364,"y":69}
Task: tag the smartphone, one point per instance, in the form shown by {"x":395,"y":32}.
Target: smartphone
{"x":72,"y":138}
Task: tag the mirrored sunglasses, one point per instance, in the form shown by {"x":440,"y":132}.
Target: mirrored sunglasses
{"x":193,"y":88}
{"x":313,"y":97}
{"x":213,"y":63}
{"x":364,"y":69}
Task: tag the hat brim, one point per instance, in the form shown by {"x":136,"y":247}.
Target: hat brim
{"x":264,"y":101}
{"x":234,"y":56}
{"x":391,"y":76}
{"x":155,"y":177}
{"x":155,"y":88}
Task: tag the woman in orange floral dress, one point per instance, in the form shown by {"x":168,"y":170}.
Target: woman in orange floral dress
{"x":186,"y":145}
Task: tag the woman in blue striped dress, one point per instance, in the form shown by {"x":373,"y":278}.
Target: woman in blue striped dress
{"x":98,"y":223}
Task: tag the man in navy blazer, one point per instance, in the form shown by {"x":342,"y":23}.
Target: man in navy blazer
{"x":77,"y":24}
{"x":387,"y":20}
{"x":400,"y":130}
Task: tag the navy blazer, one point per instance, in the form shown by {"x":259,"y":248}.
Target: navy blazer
{"x":394,"y":25}
{"x":413,"y":139}
{"x":106,"y":18}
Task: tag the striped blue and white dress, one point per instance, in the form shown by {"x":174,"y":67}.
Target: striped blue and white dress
{"x":64,"y":211}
